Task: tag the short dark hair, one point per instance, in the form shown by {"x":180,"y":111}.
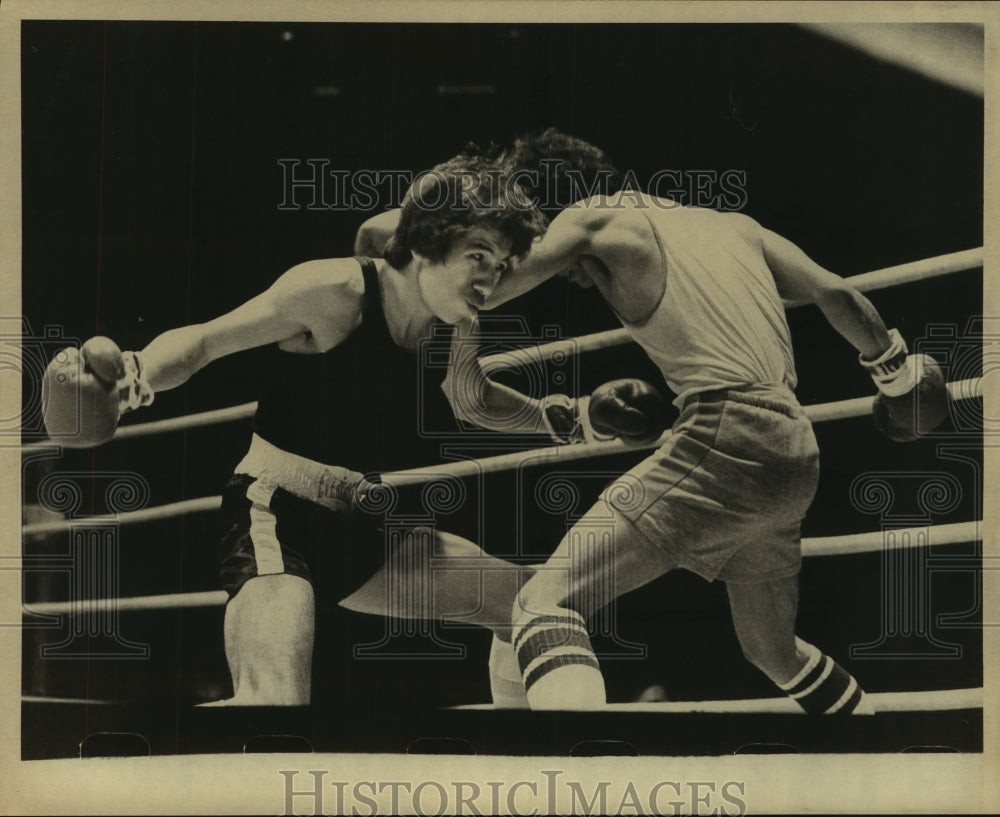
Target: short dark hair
{"x":557,"y":170}
{"x":469,"y":190}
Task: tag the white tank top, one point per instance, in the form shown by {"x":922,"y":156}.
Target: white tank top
{"x":721,"y":322}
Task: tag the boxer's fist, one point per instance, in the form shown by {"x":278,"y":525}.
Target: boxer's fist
{"x":104,"y":359}
{"x":630,"y":409}
{"x":80,"y":400}
{"x":920,"y":409}
{"x":913,"y":397}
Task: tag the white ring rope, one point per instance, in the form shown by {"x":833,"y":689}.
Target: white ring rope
{"x":168,"y":511}
{"x":821,"y":412}
{"x":937,"y":700}
{"x":840,"y":410}
{"x":877,"y":279}
{"x":931,"y":701}
{"x":168,"y":601}
{"x":930,"y":536}
{"x":204,"y":418}
{"x":892,"y":539}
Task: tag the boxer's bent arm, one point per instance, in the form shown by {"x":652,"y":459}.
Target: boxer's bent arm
{"x":372,"y":236}
{"x":799,"y":278}
{"x":567,"y":238}
{"x":476,"y":399}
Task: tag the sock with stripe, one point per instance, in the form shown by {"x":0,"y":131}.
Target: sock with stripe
{"x":506,"y":685}
{"x":557,"y":662}
{"x":823,"y":687}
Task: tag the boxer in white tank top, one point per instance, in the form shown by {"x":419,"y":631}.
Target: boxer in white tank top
{"x":701,"y":292}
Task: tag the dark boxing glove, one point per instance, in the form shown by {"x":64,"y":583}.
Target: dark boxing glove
{"x":85,"y":392}
{"x":913,"y":397}
{"x":630,"y":409}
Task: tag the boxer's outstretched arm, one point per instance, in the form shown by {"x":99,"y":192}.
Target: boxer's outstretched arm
{"x":85,"y":392}
{"x":799,"y":278}
{"x":314,"y":306}
{"x":173,"y":357}
{"x":913,"y":397}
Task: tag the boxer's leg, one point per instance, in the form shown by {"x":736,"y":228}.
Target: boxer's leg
{"x":436,"y":575}
{"x":269,"y":630}
{"x":269,"y":625}
{"x":764,"y":617}
{"x":602,"y":557}
{"x":444,"y":576}
{"x":506,"y":684}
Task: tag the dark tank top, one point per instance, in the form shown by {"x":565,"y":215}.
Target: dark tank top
{"x":359,"y":405}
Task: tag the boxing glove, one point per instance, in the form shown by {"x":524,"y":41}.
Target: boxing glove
{"x":630,"y":409}
{"x":85,"y":392}
{"x":913,"y":397}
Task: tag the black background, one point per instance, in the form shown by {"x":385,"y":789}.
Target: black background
{"x":151,"y":187}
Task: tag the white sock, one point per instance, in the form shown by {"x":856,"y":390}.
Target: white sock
{"x":506,"y":685}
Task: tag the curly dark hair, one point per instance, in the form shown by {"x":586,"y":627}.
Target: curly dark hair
{"x":557,"y":170}
{"x":467,"y":191}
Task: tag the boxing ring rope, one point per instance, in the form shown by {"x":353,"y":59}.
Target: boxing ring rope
{"x":895,"y":538}
{"x":821,"y":412}
{"x":923,"y":701}
{"x":840,"y":410}
{"x":168,"y":511}
{"x":204,"y":418}
{"x":851,"y":543}
{"x":866,"y":282}
{"x":928,"y":701}
{"x":166,"y":601}
{"x":934,"y":701}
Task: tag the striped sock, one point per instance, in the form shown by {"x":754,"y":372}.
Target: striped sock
{"x":823,"y":687}
{"x":506,"y":686}
{"x":558,"y":665}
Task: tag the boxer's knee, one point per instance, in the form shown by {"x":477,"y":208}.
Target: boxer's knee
{"x":269,"y":633}
{"x":546,"y":591}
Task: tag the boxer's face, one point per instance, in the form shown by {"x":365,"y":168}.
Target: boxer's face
{"x":456,"y":288}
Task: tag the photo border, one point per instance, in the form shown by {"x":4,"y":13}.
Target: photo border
{"x":252,"y":784}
